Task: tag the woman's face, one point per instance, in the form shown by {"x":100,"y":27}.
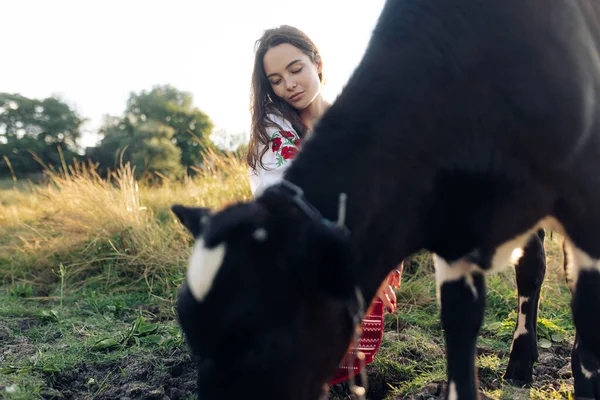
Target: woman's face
{"x":292,"y":74}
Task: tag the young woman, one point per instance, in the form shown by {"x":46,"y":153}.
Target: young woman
{"x":286,"y":103}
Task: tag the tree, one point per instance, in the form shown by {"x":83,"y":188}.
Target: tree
{"x":153,"y":150}
{"x":117,"y":137}
{"x":147,"y":146}
{"x":36,"y":126}
{"x":171,"y":107}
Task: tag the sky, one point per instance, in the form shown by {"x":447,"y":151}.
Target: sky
{"x":93,"y":53}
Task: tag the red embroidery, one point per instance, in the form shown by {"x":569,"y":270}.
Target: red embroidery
{"x":287,"y":134}
{"x":288,"y":152}
{"x":276,"y":144}
{"x":368,"y":344}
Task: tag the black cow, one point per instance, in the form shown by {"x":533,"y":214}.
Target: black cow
{"x":467,"y":126}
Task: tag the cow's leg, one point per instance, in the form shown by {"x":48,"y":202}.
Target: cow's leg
{"x":586,"y":383}
{"x":461,"y":293}
{"x":583,"y":278}
{"x":530,"y":269}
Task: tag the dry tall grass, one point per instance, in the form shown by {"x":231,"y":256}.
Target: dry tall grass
{"x":108,"y":229}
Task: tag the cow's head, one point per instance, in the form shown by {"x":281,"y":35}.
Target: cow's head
{"x":269,"y":299}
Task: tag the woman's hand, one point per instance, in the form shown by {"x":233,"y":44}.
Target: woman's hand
{"x":395,"y":277}
{"x":386,"y":291}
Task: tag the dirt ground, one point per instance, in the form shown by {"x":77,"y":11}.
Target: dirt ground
{"x":170,"y":375}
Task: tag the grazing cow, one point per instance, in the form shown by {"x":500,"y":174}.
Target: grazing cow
{"x":467,"y":126}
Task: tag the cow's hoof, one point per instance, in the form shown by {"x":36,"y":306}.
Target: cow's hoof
{"x":519,"y":374}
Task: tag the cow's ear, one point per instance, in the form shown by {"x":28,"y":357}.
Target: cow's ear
{"x":193,"y":218}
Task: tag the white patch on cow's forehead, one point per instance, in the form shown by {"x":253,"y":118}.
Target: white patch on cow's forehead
{"x":203,"y":267}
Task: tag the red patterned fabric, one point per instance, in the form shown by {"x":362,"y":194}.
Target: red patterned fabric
{"x":369,"y":342}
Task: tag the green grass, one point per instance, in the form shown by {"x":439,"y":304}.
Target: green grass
{"x":412,"y":360}
{"x":89,"y":270}
{"x":44,"y":341}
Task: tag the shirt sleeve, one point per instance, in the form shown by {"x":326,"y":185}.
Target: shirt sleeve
{"x":282,"y":148}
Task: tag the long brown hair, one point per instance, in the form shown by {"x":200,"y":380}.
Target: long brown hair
{"x":264,"y":101}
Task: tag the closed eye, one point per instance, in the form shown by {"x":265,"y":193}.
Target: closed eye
{"x":297,"y":71}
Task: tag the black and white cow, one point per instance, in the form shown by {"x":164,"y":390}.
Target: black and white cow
{"x":467,"y":126}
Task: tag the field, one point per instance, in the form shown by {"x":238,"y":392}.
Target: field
{"x":90,"y":266}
